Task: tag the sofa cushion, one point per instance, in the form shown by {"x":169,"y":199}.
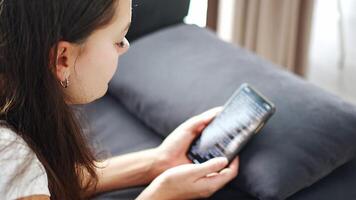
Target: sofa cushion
{"x":116,"y":130}
{"x":176,"y":73}
{"x":340,"y":184}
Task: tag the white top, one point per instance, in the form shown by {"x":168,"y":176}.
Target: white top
{"x":21,"y":173}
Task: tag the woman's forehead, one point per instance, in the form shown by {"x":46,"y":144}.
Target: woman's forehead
{"x":123,"y":12}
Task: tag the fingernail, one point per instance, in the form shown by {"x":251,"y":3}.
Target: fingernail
{"x":222,"y":160}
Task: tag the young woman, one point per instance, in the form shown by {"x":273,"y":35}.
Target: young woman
{"x":55,"y":53}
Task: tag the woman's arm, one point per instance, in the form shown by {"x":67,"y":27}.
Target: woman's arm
{"x":142,"y":167}
{"x":36,"y":197}
{"x":128,"y":170}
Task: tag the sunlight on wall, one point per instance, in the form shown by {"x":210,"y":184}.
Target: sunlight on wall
{"x":197,"y":13}
{"x":225,"y":19}
{"x":325,"y":49}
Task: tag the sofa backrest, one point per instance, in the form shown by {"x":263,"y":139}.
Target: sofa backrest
{"x":151,"y":15}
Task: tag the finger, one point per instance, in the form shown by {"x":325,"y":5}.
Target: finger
{"x":200,"y":121}
{"x":223,"y":177}
{"x":210,"y":166}
{"x":233,"y":167}
{"x":235,"y":164}
{"x":212,"y":174}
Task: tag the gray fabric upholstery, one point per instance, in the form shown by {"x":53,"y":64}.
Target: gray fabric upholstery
{"x":339,"y":184}
{"x":176,"y":73}
{"x":117,"y":130}
{"x":151,"y":15}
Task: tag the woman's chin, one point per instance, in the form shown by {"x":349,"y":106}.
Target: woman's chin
{"x":103,"y":92}
{"x":86,"y":99}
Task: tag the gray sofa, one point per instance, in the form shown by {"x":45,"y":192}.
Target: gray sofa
{"x":174,"y":71}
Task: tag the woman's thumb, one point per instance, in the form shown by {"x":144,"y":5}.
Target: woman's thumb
{"x":211,"y":166}
{"x":204,"y":118}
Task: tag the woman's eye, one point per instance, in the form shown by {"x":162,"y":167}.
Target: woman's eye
{"x":123,"y":44}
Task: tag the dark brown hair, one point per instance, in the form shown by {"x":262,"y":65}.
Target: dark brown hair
{"x":31,"y":98}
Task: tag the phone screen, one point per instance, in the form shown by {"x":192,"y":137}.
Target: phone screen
{"x":244,"y":114}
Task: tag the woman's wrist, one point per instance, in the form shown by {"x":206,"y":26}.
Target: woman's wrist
{"x":160,"y":162}
{"x":154,"y":191}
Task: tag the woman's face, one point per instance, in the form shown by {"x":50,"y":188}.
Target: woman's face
{"x":90,"y":66}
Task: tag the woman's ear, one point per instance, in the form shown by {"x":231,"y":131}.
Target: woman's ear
{"x":61,"y":64}
{"x":64,"y":59}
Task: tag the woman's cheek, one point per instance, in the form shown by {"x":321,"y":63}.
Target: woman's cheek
{"x":105,"y":61}
{"x":111,"y":65}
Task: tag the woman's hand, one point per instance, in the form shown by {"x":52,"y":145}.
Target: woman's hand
{"x":191,"y":181}
{"x":140,"y":168}
{"x":184,"y":180}
{"x":173,"y":150}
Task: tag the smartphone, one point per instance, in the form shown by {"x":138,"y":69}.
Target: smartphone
{"x":243,"y":115}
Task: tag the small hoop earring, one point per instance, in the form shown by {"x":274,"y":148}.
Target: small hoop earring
{"x":65,"y":83}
